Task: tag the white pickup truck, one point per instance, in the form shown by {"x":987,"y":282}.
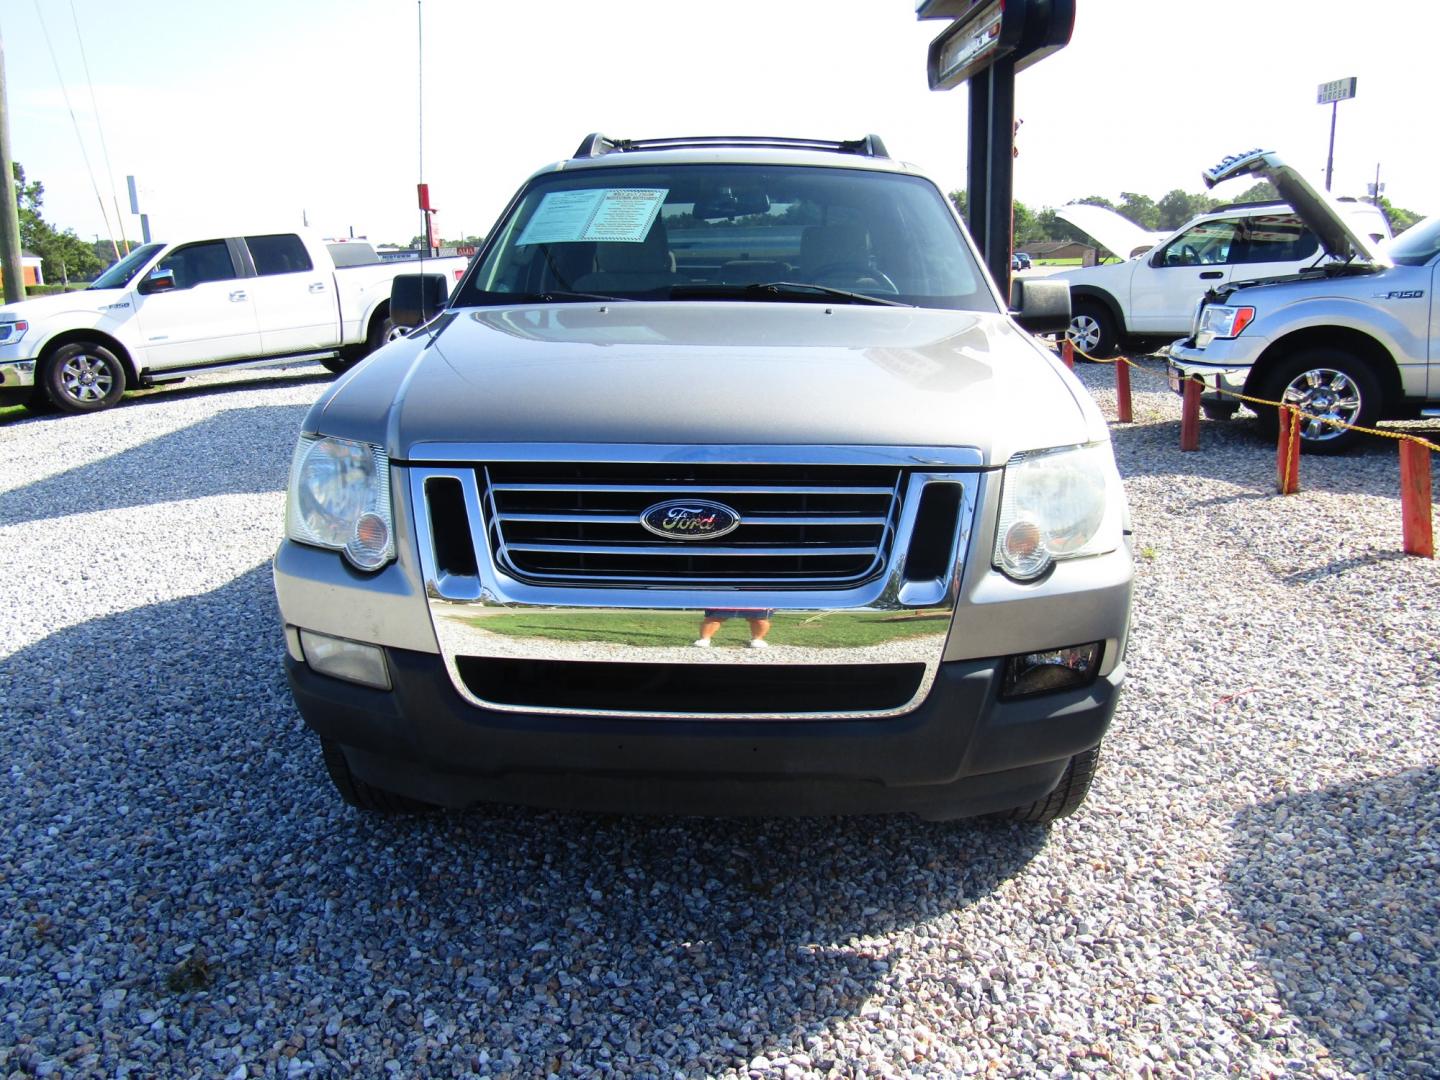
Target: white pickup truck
{"x":166,"y":311}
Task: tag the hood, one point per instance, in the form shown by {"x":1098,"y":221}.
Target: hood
{"x":1339,"y":234}
{"x":1114,"y":232}
{"x":714,"y":373}
{"x":42,"y":307}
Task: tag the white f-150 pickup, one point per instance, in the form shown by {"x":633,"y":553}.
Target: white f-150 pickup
{"x":170,"y":310}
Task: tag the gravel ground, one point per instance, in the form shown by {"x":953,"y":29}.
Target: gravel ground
{"x":1251,"y":889}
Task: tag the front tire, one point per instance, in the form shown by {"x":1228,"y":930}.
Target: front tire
{"x":83,"y":377}
{"x":1068,"y":794}
{"x":1092,"y":330}
{"x":1328,"y":383}
{"x":358,"y":793}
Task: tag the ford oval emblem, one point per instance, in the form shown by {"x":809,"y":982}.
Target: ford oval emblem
{"x":690,"y":519}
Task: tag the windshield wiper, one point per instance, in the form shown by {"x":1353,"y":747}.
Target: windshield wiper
{"x":552,"y":295}
{"x":779,"y":289}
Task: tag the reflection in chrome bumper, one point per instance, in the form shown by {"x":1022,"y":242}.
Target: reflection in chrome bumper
{"x":17,"y":374}
{"x":885,"y":622}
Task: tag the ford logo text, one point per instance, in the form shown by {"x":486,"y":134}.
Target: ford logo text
{"x":691,"y":519}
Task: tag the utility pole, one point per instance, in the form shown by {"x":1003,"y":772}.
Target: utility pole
{"x":9,"y":208}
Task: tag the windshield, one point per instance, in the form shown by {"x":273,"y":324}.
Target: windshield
{"x":662,"y":232}
{"x":1417,"y":245}
{"x":120,"y":273}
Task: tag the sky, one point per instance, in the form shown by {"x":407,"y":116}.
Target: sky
{"x":264,"y":114}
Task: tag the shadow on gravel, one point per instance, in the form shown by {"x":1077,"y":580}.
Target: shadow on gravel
{"x":279,"y":377}
{"x":165,"y":806}
{"x":1338,"y":890}
{"x":238,"y":451}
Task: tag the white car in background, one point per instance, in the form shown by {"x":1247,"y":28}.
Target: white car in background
{"x":1148,"y":300}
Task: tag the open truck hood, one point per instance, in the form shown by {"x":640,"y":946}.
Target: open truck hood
{"x":1338,"y":236}
{"x":1112,"y":231}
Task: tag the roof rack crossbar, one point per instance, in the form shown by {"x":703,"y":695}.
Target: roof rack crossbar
{"x":598,"y":145}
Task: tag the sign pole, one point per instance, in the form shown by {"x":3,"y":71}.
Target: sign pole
{"x":1330,"y":157}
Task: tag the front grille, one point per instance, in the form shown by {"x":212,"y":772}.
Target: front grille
{"x":801,"y":525}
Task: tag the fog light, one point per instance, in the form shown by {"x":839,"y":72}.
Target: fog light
{"x":1054,"y":669}
{"x":348,"y":660}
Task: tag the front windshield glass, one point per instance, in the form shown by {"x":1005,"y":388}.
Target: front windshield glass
{"x":120,"y":273}
{"x":687,"y":232}
{"x":1417,"y":245}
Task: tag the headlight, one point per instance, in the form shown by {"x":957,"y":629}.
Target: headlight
{"x":1058,"y":504}
{"x":12,"y":330}
{"x":1222,"y":322}
{"x":340,"y":498}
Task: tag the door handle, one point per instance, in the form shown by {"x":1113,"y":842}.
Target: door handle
{"x":238,"y":295}
{"x":318,"y":286}
{"x":1210,"y":275}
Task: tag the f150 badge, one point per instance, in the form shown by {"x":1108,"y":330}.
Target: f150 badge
{"x":1399,"y":294}
{"x":690,"y":519}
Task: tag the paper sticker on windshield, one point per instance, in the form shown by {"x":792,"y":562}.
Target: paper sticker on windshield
{"x":614,"y":215}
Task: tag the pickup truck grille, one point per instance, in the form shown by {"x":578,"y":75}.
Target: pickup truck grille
{"x":800,"y":525}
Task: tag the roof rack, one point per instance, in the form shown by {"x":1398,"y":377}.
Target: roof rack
{"x":598,"y":145}
{"x":1248,"y":205}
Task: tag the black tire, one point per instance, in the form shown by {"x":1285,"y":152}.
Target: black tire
{"x":1219,"y":410}
{"x":1093,"y":330}
{"x":1325,"y":382}
{"x":340,"y":364}
{"x":358,"y":793}
{"x":83,"y":377}
{"x":1068,"y":794}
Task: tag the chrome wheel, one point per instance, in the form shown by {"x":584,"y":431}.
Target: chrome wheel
{"x":395,"y":333}
{"x":86,"y":379}
{"x":1324,"y":394}
{"x":1084,"y":332}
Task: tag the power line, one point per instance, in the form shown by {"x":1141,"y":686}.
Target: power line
{"x":78,"y":137}
{"x":99,"y":127}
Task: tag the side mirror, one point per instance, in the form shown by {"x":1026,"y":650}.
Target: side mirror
{"x":158,"y":280}
{"x":1040,"y":305}
{"x":415,"y":299}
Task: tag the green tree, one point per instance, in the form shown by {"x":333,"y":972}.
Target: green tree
{"x":63,"y":254}
{"x":1264,"y":191}
{"x":1178,"y":207}
{"x":1140,"y":209}
{"x":1400,"y":219}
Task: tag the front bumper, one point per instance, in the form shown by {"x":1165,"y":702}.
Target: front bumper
{"x":17,"y":380}
{"x":1222,"y":367}
{"x":963,"y":751}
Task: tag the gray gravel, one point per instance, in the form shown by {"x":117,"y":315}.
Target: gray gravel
{"x":1251,"y":890}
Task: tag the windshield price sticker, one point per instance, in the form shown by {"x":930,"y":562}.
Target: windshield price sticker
{"x":612,"y":215}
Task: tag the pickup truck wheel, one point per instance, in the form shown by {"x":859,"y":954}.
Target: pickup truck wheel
{"x":339,"y":364}
{"x":1328,"y":383}
{"x":1092,"y":330}
{"x":1068,"y":794}
{"x":83,"y":377}
{"x":358,"y":793}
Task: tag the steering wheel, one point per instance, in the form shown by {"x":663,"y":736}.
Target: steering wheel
{"x":853,"y":273}
{"x":1190,"y":255}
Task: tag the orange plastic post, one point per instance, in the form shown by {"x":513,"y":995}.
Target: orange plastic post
{"x":1419,"y":535}
{"x":1123,"y":411}
{"x":1190,"y":416}
{"x":1287,"y":452}
{"x":1067,"y":353}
